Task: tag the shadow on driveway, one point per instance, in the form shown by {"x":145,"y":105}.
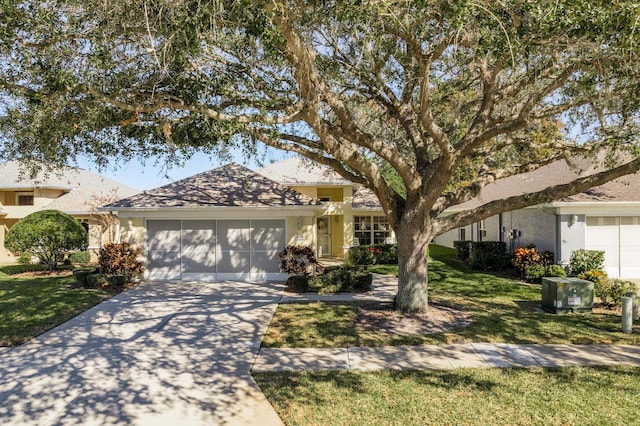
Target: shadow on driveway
{"x":159,"y":353}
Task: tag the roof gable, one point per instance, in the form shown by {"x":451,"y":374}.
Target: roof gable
{"x":301,"y":171}
{"x":229,"y":186}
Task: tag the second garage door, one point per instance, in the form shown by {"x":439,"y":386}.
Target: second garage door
{"x":214,"y":249}
{"x":619,"y":237}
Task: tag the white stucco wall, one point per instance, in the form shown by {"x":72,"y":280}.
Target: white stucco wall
{"x":535,"y":225}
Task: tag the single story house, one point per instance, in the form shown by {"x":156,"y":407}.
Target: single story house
{"x":74,"y":191}
{"x":606,"y":217}
{"x":231,"y":222}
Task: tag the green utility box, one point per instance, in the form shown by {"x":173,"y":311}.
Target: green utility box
{"x":563,"y":295}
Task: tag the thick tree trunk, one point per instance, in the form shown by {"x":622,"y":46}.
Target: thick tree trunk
{"x":413,"y":239}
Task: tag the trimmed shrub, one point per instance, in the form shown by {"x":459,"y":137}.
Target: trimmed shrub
{"x":97,"y":281}
{"x":534,"y":272}
{"x":81,"y":274}
{"x":463,"y":249}
{"x":19,"y":269}
{"x":555,"y":271}
{"x":611,"y":291}
{"x":48,"y":235}
{"x":297,"y":260}
{"x":80,"y":257}
{"x":375,"y":254}
{"x":120,"y":259}
{"x":598,"y":277}
{"x":334,"y":280}
{"x":488,"y":255}
{"x":547,"y":258}
{"x":586,"y":260}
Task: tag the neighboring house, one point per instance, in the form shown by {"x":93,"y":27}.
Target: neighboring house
{"x":605,"y":218}
{"x":231,"y":222}
{"x":71,"y":190}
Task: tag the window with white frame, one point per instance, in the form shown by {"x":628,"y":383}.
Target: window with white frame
{"x":371,"y":229}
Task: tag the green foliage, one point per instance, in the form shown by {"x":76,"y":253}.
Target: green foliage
{"x":48,"y":235}
{"x":583,"y":261}
{"x":120,"y":259}
{"x":24,"y":259}
{"x":523,"y":257}
{"x":340,"y":279}
{"x":598,"y":277}
{"x":463,"y":249}
{"x":534,"y":272}
{"x":19,"y":269}
{"x":374,"y":254}
{"x":80,"y":257}
{"x":81,"y":274}
{"x":555,"y":271}
{"x":97,"y":280}
{"x":297,"y":260}
{"x":487,"y":255}
{"x":611,"y":291}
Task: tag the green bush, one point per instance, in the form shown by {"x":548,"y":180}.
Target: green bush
{"x":80,"y":257}
{"x":534,"y":272}
{"x":297,"y":260}
{"x":463,"y":249}
{"x":117,"y":281}
{"x":81,"y":274}
{"x":97,"y":281}
{"x":598,"y":277}
{"x":487,"y":255}
{"x":298,"y":283}
{"x":48,"y":235}
{"x":25,"y":259}
{"x":375,"y":254}
{"x":19,"y":269}
{"x":586,"y":260}
{"x":334,"y":280}
{"x":555,"y":271}
{"x":611,"y":291}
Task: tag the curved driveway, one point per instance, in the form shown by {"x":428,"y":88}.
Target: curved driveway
{"x":161,"y":353}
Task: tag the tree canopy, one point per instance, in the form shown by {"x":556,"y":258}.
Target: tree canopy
{"x":423,"y":102}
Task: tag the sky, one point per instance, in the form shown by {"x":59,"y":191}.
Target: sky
{"x":151,"y":175}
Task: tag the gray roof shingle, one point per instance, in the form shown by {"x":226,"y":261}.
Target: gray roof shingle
{"x":301,"y":171}
{"x":228,"y":186}
{"x":82,"y":185}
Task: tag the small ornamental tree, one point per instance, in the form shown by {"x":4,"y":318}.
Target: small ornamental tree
{"x":48,"y":235}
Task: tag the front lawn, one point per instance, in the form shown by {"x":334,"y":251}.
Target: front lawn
{"x":30,"y":306}
{"x":503,"y":311}
{"x":567,"y":396}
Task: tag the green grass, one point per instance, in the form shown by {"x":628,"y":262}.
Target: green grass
{"x":564,"y":396}
{"x":31,"y":306}
{"x":502,"y":311}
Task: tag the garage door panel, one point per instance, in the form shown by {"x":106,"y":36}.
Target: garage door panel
{"x":603,"y":234}
{"x":233,"y":262}
{"x":267,"y":235}
{"x":234,"y":234}
{"x":630,"y":247}
{"x":199,"y":262}
{"x":163,"y":264}
{"x":265,"y":261}
{"x":198,"y":236}
{"x":163,"y":235}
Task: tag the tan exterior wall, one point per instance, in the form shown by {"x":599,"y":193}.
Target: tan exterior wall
{"x":310,"y":191}
{"x":5,"y":255}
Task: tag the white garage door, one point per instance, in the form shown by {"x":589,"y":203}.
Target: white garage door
{"x":214,"y":249}
{"x":619,"y":237}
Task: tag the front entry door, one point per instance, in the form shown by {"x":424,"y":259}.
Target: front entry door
{"x":323,"y":225}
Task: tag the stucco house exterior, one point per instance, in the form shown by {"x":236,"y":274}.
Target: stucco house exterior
{"x":71,"y":190}
{"x":605,"y":218}
{"x":231,"y":222}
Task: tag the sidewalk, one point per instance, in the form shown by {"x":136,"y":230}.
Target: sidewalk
{"x":443,"y":357}
{"x":432,"y":357}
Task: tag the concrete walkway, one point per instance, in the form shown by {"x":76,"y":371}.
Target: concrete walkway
{"x":169,"y":353}
{"x":443,"y":357}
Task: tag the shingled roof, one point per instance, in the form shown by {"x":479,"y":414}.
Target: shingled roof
{"x":624,"y":189}
{"x":229,"y":186}
{"x":300,"y":171}
{"x":80,"y":185}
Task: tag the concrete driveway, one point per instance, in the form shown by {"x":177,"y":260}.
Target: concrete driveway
{"x":161,"y":353}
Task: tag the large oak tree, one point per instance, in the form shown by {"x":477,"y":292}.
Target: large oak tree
{"x":445,"y":97}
